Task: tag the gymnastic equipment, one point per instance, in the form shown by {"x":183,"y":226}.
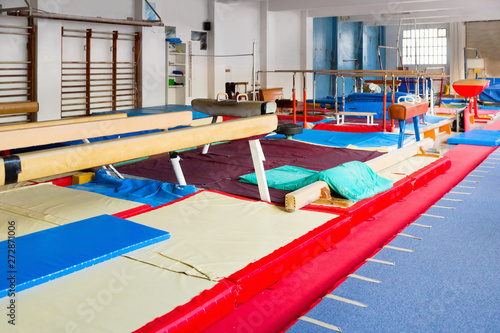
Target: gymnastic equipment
{"x":37,"y":136}
{"x":230,"y":108}
{"x":470,"y":89}
{"x":408,"y":107}
{"x":37,"y":164}
{"x":319,"y":192}
{"x":254,"y":65}
{"x":388,"y":77}
{"x":63,"y":121}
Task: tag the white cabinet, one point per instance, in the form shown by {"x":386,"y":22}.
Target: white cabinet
{"x":177,"y":67}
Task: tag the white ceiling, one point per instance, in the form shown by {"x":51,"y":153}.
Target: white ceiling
{"x":387,"y":12}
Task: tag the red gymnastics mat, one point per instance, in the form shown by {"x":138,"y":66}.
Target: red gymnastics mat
{"x":277,"y":307}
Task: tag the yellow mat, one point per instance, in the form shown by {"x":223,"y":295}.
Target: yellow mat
{"x":44,"y":206}
{"x":214,"y":235}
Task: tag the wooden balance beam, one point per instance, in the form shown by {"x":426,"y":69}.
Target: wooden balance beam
{"x":319,"y":192}
{"x":37,"y":164}
{"x":28,"y":137}
{"x":63,"y":121}
{"x":408,"y":109}
{"x":14,"y":108}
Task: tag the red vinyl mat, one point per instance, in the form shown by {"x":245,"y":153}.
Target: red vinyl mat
{"x":274,"y":309}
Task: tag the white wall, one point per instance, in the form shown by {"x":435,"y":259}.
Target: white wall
{"x":287,"y":33}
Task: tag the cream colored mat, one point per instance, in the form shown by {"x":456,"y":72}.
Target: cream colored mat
{"x":214,"y":235}
{"x":119,"y":295}
{"x":407,"y":167}
{"x":44,"y":206}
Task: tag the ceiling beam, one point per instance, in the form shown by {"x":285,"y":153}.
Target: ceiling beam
{"x":378,"y":10}
{"x":442,"y":15}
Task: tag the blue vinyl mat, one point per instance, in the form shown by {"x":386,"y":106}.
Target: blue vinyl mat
{"x":159,"y":109}
{"x":146,"y":191}
{"x":477,"y":137}
{"x":449,"y":283}
{"x":344,"y":139}
{"x":52,"y":253}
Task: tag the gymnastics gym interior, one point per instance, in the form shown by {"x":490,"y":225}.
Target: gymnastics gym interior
{"x":249,"y":166}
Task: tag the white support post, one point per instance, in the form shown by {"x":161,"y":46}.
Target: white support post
{"x":258,"y":158}
{"x":175,"y":160}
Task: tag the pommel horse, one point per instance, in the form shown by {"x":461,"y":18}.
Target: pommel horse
{"x":470,"y":89}
{"x":406,"y":108}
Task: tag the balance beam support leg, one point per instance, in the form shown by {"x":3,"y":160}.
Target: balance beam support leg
{"x":175,"y":160}
{"x":258,"y":158}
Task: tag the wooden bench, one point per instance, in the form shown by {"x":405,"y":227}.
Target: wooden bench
{"x":411,"y":107}
{"x":341,"y":114}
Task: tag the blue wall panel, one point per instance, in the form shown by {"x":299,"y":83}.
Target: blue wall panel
{"x":324,"y":39}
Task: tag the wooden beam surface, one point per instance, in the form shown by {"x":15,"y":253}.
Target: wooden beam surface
{"x":62,"y":121}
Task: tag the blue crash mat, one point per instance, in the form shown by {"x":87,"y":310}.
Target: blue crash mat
{"x":53,"y":253}
{"x":477,"y":137}
{"x":146,"y":191}
{"x":344,"y":139}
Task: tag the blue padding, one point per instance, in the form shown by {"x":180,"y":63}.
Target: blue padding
{"x":344,"y":139}
{"x":371,"y":97}
{"x":492,"y":93}
{"x":477,"y":137}
{"x":56,"y":252}
{"x":159,"y":109}
{"x":80,"y":142}
{"x":146,"y":191}
{"x":376,"y":107}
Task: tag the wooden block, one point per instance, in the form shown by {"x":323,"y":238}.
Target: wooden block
{"x":82,"y":178}
{"x":306,"y":195}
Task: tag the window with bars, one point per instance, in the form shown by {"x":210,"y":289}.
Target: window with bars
{"x":426,"y":46}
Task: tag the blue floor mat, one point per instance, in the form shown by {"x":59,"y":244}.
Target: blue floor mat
{"x":159,"y":109}
{"x":52,"y":253}
{"x":344,"y":139}
{"x":449,"y":283}
{"x":477,"y":137}
{"x":146,"y":191}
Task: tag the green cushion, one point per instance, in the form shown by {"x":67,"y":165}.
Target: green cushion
{"x":352,"y":180}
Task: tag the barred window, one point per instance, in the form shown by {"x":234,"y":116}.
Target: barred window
{"x":427,"y":46}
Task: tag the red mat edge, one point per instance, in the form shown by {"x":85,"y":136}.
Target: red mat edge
{"x":266,"y":271}
{"x":203,"y":310}
{"x":276,"y":308}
